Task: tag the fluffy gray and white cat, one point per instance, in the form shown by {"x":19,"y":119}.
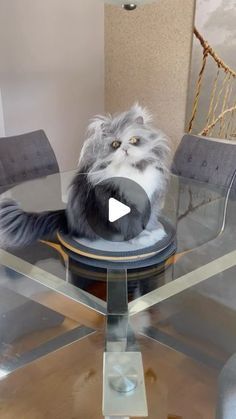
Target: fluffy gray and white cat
{"x":124,"y":145}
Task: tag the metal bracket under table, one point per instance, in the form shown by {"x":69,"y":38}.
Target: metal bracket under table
{"x":124,"y":393}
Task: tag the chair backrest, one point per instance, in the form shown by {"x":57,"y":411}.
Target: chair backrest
{"x":25,"y":157}
{"x":206,"y":160}
{"x":207,"y":168}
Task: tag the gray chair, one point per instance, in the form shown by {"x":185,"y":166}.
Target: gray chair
{"x":205,"y":315}
{"x":25,"y":157}
{"x":22,"y":158}
{"x":206,"y":160}
{"x":207,"y":168}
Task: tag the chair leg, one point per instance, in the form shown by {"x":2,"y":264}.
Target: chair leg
{"x":226,"y":404}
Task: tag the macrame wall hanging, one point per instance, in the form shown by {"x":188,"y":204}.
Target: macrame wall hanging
{"x":220,"y":118}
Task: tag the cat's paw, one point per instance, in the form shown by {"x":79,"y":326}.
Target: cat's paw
{"x":148,"y":238}
{"x":158,"y":234}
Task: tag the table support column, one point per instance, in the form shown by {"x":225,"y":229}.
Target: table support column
{"x":123,"y":379}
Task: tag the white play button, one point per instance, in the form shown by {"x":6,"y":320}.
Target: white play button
{"x":117,"y":210}
{"x":117,"y":216}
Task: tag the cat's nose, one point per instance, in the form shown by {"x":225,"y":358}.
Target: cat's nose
{"x":125,"y":150}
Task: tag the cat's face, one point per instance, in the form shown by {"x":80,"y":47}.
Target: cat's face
{"x":123,"y":142}
{"x":126,"y":145}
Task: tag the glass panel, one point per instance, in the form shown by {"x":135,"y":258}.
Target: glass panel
{"x":200,"y":213}
{"x":199,"y":208}
{"x":35,"y":320}
{"x":117,"y":311}
{"x":198,"y":322}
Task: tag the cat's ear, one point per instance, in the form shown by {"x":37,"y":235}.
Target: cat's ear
{"x":139,"y":120}
{"x":97,"y":125}
{"x":141,"y":115}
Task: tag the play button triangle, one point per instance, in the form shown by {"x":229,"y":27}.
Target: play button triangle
{"x":117,"y":210}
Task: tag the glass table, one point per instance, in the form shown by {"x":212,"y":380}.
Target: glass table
{"x":180,"y":314}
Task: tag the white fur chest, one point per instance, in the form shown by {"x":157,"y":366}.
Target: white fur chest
{"x":150,"y":179}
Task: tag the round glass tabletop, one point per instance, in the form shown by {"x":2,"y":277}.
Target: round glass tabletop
{"x":177,"y":308}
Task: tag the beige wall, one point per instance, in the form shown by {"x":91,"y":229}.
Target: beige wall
{"x":52,"y":69}
{"x":2,"y":128}
{"x":147,"y":56}
{"x":52,"y":65}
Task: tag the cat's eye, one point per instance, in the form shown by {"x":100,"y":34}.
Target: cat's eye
{"x":116,"y":144}
{"x":134,"y":140}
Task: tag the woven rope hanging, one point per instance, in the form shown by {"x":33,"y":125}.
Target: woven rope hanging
{"x":221,"y":109}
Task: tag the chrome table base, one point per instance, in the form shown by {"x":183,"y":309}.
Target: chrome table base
{"x":124,"y":392}
{"x":123,"y":385}
{"x":40,"y":286}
